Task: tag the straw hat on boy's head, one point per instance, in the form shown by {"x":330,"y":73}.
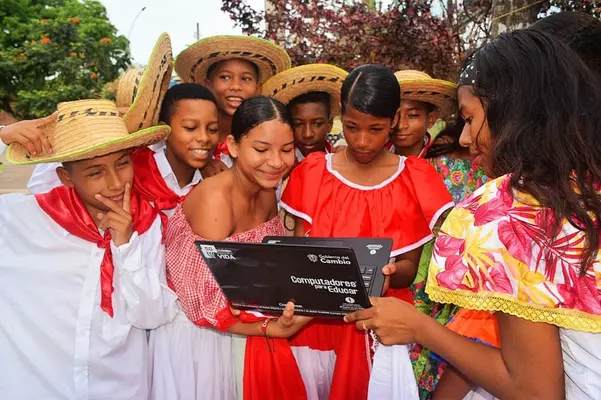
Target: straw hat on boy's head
{"x":86,"y":129}
{"x":419,"y":86}
{"x":289,"y":84}
{"x":193,"y":64}
{"x":142,"y":90}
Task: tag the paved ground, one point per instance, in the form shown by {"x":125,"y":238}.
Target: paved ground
{"x":13,"y":178}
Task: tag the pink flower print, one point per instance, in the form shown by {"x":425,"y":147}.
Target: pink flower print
{"x":516,"y":239}
{"x":454,"y":273}
{"x":447,"y":245}
{"x":444,"y":171}
{"x":582,"y":294}
{"x":499,"y":281}
{"x":492,"y":210}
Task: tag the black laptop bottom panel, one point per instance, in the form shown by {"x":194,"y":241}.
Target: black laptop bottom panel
{"x":321,"y":281}
{"x":372,"y":254}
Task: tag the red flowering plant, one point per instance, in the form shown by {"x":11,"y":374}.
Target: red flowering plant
{"x":56,"y":51}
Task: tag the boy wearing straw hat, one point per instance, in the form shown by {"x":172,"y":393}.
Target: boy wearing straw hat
{"x":82,"y":266}
{"x":234,"y":68}
{"x":312,"y":96}
{"x":423,"y":101}
{"x":139,"y":97}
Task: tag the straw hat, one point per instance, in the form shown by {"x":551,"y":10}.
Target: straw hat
{"x":86,"y":129}
{"x":291,"y":83}
{"x":419,"y":86}
{"x":192,"y":64}
{"x":143,"y":89}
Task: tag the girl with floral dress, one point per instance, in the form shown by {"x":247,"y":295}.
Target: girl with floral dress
{"x":525,"y":246}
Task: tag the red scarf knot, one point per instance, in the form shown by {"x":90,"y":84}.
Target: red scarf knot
{"x":65,"y":207}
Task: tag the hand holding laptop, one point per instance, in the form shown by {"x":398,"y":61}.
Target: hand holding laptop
{"x":283,"y":327}
{"x":287,"y":324}
{"x":388,"y":271}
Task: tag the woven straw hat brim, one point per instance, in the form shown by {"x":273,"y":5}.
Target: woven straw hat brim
{"x":289,"y":84}
{"x":192,"y":64}
{"x":18,"y":155}
{"x":85,"y":129}
{"x":127,"y":87}
{"x":440,"y":93}
{"x":146,"y":91}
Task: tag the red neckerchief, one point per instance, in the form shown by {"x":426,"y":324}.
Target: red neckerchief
{"x":221,"y":150}
{"x":149,"y":183}
{"x":65,"y":207}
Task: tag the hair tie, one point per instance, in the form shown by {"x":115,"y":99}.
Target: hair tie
{"x":468,"y":73}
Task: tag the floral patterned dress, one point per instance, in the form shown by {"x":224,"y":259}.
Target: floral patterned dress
{"x":496,"y":252}
{"x":461,"y":178}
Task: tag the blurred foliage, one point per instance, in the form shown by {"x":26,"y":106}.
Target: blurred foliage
{"x":56,"y":50}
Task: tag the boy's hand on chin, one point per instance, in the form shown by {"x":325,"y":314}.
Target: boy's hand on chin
{"x":118,"y":221}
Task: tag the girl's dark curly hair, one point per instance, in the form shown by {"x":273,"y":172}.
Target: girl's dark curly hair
{"x":543,"y":108}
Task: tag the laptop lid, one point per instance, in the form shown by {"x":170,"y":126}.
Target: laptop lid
{"x":372,"y":255}
{"x":321,"y":281}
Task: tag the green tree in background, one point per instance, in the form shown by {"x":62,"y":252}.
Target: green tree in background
{"x":56,"y":50}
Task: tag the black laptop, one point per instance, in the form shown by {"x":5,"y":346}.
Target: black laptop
{"x":372,"y":254}
{"x":320,"y":280}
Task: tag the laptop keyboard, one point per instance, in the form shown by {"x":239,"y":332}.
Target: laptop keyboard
{"x":367,"y":272}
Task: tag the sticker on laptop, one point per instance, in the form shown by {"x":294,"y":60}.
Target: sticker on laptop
{"x":210,"y":251}
{"x":373,"y":248}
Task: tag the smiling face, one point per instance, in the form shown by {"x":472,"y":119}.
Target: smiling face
{"x":415,"y":119}
{"x":265,"y":154}
{"x":232,"y":82}
{"x":366,"y":134}
{"x":311,"y":126}
{"x":476,"y":132}
{"x":106,"y":175}
{"x":194,"y":134}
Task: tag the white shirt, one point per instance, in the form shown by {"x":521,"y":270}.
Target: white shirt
{"x":55,"y":340}
{"x":169,"y":176}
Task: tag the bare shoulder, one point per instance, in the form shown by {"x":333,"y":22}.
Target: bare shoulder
{"x":208,"y":208}
{"x":270,"y":202}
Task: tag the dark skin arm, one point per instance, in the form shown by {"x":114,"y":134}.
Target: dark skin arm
{"x":404,"y":271}
{"x":299,"y":227}
{"x":528,"y":366}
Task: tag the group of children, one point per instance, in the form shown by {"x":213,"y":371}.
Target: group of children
{"x":104,"y":292}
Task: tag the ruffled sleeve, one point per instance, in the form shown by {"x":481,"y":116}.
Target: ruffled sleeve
{"x":496,"y":252}
{"x":302,"y":191}
{"x":428,"y":189}
{"x":187,"y":273}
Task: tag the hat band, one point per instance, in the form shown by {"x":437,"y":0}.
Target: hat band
{"x":239,"y":53}
{"x":89,"y":112}
{"x":426,"y":93}
{"x":316,"y":78}
{"x":160,"y":72}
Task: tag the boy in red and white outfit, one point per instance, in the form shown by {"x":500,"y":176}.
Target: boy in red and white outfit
{"x":82,"y":266}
